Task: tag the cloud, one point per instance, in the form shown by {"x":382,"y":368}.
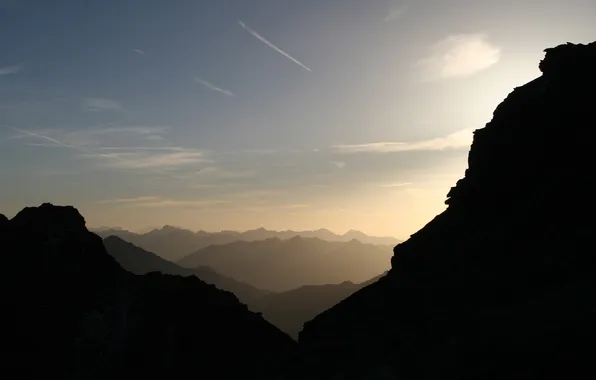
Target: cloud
{"x":139,"y":51}
{"x":214,"y":87}
{"x":149,"y":159}
{"x":118,"y":157}
{"x":101,"y":104}
{"x":266,"y":42}
{"x":402,"y":184}
{"x":213,"y":172}
{"x":158,"y":202}
{"x":395,"y":13}
{"x":296,"y":206}
{"x":7,"y":70}
{"x":461,"y":139}
{"x":338,"y":164}
{"x":459,"y":56}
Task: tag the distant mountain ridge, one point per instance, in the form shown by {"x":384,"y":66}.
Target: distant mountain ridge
{"x":173,"y":243}
{"x":140,"y":261}
{"x":288,"y":311}
{"x":281,"y":265}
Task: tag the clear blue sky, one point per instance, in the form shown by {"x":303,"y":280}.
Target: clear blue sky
{"x":237,"y":114}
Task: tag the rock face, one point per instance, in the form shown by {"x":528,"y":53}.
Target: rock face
{"x":500,"y":285}
{"x":71,"y":312}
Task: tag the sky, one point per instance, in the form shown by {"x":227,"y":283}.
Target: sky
{"x":239,"y":114}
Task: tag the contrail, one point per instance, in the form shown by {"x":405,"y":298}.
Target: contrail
{"x":266,"y":42}
{"x":213,"y":87}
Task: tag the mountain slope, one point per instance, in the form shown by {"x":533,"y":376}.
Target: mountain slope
{"x":72,"y":312}
{"x":281,"y":265}
{"x":139,"y":261}
{"x":290,"y":310}
{"x":500,"y":285}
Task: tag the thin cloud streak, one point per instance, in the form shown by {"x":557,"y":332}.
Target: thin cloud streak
{"x":394,"y":185}
{"x":125,"y":158}
{"x":139,"y":51}
{"x":213,"y":87}
{"x":101,"y":104}
{"x":461,"y":139}
{"x":158,"y":202}
{"x":272,"y":46}
{"x":8,"y":70}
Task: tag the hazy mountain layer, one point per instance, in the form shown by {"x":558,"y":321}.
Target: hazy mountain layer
{"x":173,"y":243}
{"x":281,"y":265}
{"x":139,"y":261}
{"x":290,"y":310}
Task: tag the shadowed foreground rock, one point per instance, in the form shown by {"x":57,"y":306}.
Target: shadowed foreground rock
{"x":502,"y":284}
{"x":71,"y":312}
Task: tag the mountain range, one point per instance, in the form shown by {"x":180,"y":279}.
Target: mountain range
{"x":286,"y":310}
{"x":498,"y":286}
{"x":139,"y":261}
{"x":280,"y":265}
{"x":173,"y":243}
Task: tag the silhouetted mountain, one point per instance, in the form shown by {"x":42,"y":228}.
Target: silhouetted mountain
{"x":281,"y":265}
{"x":500,"y":285}
{"x":139,"y":261}
{"x":290,"y":310}
{"x":173,"y":243}
{"x":71,"y":312}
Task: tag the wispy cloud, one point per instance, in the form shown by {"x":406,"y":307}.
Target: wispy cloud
{"x":459,"y":56}
{"x":461,"y":139}
{"x":139,"y":51}
{"x":7,"y":70}
{"x":101,"y":104}
{"x":396,"y":12}
{"x":272,"y":46}
{"x":157,"y":202}
{"x":399,"y":184}
{"x":126,"y":158}
{"x":297,"y":206}
{"x":213,"y":87}
{"x":147,"y":159}
{"x":213,"y":172}
{"x":338,"y":164}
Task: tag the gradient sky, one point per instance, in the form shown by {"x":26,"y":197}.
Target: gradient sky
{"x":236,"y":114}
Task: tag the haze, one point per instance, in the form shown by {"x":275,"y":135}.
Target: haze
{"x":213,"y":115}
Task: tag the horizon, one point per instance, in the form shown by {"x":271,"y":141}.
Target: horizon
{"x":149,"y":229}
{"x":217,"y":116}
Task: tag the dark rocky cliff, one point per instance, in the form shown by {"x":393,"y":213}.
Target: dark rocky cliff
{"x":71,"y":312}
{"x":501,"y":285}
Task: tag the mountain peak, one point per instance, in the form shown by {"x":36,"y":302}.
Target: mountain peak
{"x":569,"y":60}
{"x":50,"y":219}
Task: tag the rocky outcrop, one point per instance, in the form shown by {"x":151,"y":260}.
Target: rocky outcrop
{"x":71,"y":312}
{"x":501,"y":284}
